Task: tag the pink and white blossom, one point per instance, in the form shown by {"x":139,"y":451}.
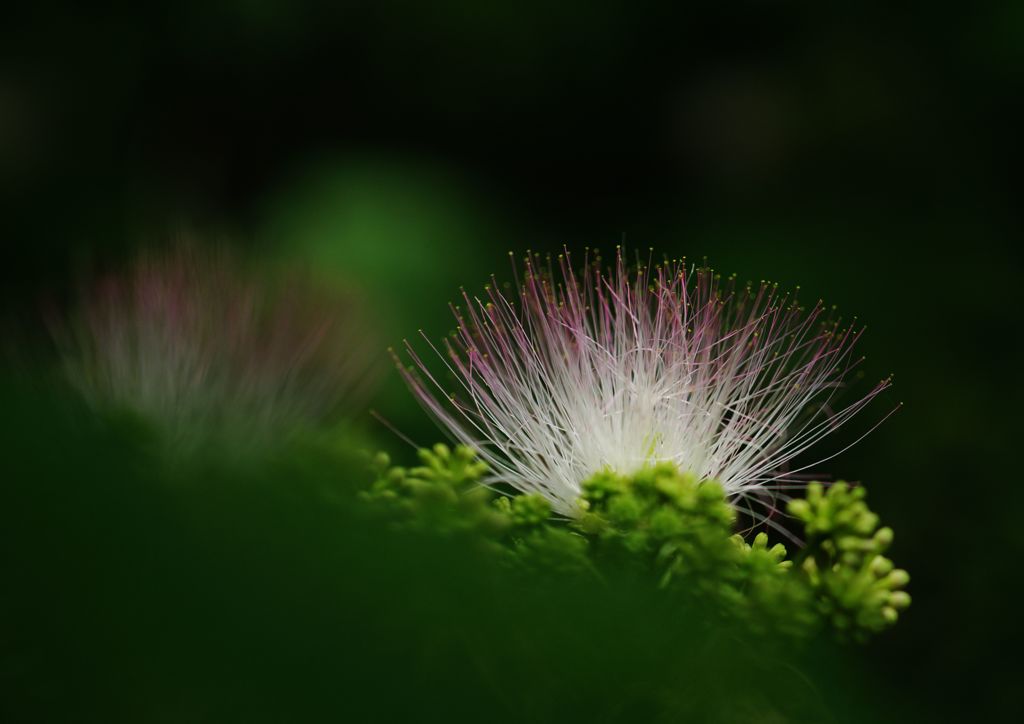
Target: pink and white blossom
{"x":195,"y":342}
{"x":620,"y":367}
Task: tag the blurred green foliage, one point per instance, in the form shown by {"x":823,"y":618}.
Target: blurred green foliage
{"x":255,"y":591}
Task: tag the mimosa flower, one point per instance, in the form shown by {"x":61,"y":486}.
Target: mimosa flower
{"x":613,"y":368}
{"x":192,"y":341}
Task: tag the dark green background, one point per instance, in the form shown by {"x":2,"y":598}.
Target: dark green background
{"x":864,"y":151}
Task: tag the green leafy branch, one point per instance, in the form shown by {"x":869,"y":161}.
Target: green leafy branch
{"x":675,"y":527}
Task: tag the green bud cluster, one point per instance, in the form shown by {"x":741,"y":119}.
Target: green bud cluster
{"x":444,"y":495}
{"x":772,"y":598}
{"x":674,"y":527}
{"x":683,"y":528}
{"x":858,"y":589}
{"x":682,"y":524}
